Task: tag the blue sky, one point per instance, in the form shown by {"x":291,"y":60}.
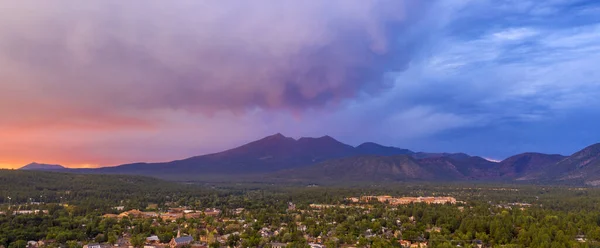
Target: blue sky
{"x":522,"y":73}
{"x":115,"y":82}
{"x":493,"y":78}
{"x":497,"y":78}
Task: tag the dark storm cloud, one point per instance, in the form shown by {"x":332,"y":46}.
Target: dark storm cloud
{"x":204,"y":55}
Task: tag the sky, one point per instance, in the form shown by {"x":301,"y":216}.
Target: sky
{"x":102,"y":83}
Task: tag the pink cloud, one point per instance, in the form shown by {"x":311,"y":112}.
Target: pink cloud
{"x":115,"y":72}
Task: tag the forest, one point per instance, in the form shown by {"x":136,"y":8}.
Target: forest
{"x":488,"y":215}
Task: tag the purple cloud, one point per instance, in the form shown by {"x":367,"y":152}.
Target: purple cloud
{"x":204,"y":55}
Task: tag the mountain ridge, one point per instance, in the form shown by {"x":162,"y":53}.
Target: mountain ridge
{"x":325,"y":158}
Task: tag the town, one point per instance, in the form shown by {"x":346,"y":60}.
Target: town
{"x":130,"y":212}
{"x":404,"y":200}
{"x":225,"y":230}
{"x":315,"y":225}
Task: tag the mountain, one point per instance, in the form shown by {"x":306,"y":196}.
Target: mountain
{"x":527,"y":165}
{"x":38,"y":166}
{"x":361,"y":168}
{"x":421,"y":155}
{"x":581,"y":167}
{"x":370,"y":148}
{"x":326,"y":158}
{"x":272,"y":153}
{"x":461,"y":166}
{"x":393,"y":168}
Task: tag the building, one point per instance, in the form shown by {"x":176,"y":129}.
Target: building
{"x":419,"y":245}
{"x":405,"y":243}
{"x":212,"y":212}
{"x":239,"y":211}
{"x":181,"y":241}
{"x":278,"y":245}
{"x":153,"y":239}
{"x":92,"y":245}
{"x":30,"y":212}
{"x":131,"y":214}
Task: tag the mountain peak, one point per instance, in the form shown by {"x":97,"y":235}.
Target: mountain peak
{"x":328,"y":138}
{"x":528,"y":165}
{"x":377,"y":149}
{"x":276,"y":136}
{"x":588,"y":156}
{"x":595,"y":148}
{"x":369,"y":144}
{"x":322,"y":138}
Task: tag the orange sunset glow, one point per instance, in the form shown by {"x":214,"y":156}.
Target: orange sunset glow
{"x":84,"y":85}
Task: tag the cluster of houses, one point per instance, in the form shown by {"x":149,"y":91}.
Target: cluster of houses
{"x":172,"y":214}
{"x":404,"y":200}
{"x":517,"y":205}
{"x":410,"y":244}
{"x":20,"y":212}
{"x":154,"y":242}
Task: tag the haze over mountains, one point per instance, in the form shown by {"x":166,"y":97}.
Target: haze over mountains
{"x":278,"y":157}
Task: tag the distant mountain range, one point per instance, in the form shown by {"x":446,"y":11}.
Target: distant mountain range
{"x":280,"y":158}
{"x":42,"y":167}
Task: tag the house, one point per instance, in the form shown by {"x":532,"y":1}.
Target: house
{"x":278,"y":245}
{"x":478,"y":243}
{"x":110,"y":216}
{"x":212,"y":212}
{"x":181,"y":241}
{"x":132,"y":214}
{"x":92,"y":245}
{"x":176,"y":210}
{"x":291,"y":206}
{"x":149,"y":214}
{"x":239,"y":211}
{"x":153,"y":239}
{"x":171,"y":216}
{"x":580,"y":238}
{"x":313,"y":245}
{"x":405,"y":243}
{"x":419,"y":245}
{"x":119,"y":208}
{"x":32,"y":244}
